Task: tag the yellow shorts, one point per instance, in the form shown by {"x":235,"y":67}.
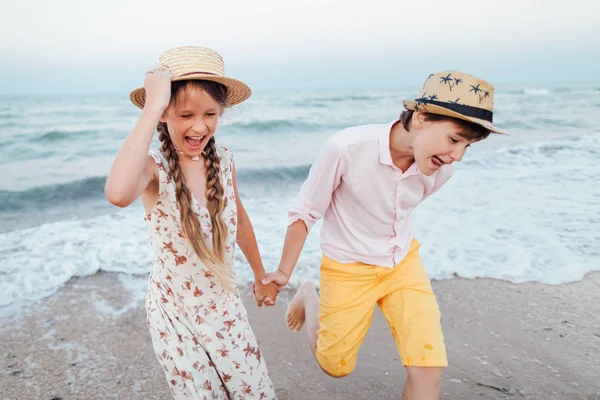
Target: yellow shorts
{"x":349,"y":293}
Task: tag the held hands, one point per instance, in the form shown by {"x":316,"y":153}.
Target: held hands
{"x":157,"y":85}
{"x":265,"y":291}
{"x":277,"y":277}
{"x":265,"y":294}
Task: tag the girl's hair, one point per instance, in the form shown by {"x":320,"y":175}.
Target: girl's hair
{"x":469,"y":130}
{"x":213,"y":257}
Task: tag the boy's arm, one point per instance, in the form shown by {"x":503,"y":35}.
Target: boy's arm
{"x":292,"y":247}
{"x":315,"y":197}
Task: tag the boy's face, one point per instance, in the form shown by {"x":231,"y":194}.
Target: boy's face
{"x":438,"y":143}
{"x":192,"y":119}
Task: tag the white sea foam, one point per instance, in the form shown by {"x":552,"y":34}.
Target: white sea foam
{"x":525,"y":213}
{"x":536,"y":92}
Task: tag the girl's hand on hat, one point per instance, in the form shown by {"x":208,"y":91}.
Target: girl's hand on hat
{"x":157,"y":85}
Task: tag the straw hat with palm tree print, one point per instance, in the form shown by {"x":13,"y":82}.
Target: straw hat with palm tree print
{"x":457,"y":95}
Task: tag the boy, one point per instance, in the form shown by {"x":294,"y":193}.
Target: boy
{"x":365,"y":184}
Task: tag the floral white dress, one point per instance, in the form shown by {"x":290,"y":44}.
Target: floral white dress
{"x":200,"y":332}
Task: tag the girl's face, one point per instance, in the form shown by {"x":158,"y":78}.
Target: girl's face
{"x":192,"y":119}
{"x":437,"y":143}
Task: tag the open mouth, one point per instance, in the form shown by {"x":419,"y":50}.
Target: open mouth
{"x":194,"y":142}
{"x":437,"y":161}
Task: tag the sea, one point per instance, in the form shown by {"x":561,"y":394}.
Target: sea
{"x":523,"y":207}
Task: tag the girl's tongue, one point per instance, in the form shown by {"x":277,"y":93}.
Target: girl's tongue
{"x":194,"y":143}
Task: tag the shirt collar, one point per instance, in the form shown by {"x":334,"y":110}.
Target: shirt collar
{"x":385,"y":156}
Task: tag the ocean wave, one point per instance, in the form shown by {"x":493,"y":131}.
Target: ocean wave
{"x":270,"y":175}
{"x":517,"y":123}
{"x":336,"y":99}
{"x":93,"y":188}
{"x":537,"y":92}
{"x":524,"y":213}
{"x":573,"y":148}
{"x":9,"y":124}
{"x":36,"y":262}
{"x":52,"y":195}
{"x":325,"y":101}
{"x":272,"y":126}
{"x":531,"y":124}
{"x":576,"y":147}
{"x":562,"y":90}
{"x":529,"y":91}
{"x":7,"y":114}
{"x":53,"y":136}
{"x":557,"y":122}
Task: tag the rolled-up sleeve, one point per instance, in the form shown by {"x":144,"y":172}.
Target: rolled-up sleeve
{"x":316,"y":192}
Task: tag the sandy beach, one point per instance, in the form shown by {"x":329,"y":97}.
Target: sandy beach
{"x":504,"y":341}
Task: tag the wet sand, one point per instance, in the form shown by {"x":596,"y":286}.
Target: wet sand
{"x":504,"y":340}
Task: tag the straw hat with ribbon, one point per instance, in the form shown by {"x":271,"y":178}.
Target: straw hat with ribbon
{"x":457,"y":95}
{"x":192,"y":62}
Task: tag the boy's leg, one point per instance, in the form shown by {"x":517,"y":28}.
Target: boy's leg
{"x":412,"y":312}
{"x":304,"y":309}
{"x":338,"y":320}
{"x":423,"y":383}
{"x":406,"y":393}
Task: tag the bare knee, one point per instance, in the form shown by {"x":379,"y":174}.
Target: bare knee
{"x":429,"y":376}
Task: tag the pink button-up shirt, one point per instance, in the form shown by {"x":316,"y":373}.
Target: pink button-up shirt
{"x":366,"y":201}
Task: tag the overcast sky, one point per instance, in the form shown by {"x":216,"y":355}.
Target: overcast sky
{"x":64,"y":46}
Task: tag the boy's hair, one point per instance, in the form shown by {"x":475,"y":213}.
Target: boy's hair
{"x":468,"y":130}
{"x":213,"y":257}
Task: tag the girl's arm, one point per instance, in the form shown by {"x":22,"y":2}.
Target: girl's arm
{"x":246,"y":240}
{"x":133,"y":170}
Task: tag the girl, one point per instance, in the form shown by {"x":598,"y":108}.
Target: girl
{"x":198,"y":324}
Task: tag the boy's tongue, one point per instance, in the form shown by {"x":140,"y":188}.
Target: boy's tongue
{"x":194,"y":143}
